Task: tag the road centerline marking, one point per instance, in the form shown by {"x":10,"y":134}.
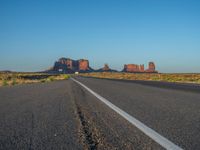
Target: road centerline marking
{"x":164,"y":142}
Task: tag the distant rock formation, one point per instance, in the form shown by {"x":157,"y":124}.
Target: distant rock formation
{"x":83,"y":65}
{"x":152,"y":68}
{"x":134,"y":68}
{"x":106,"y":68}
{"x":67,"y":65}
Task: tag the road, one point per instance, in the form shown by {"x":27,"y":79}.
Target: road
{"x":64,"y":115}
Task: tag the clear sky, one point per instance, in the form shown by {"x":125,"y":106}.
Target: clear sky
{"x":35,"y":33}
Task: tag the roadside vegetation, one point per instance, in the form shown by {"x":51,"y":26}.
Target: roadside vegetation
{"x":9,"y":79}
{"x":182,"y":78}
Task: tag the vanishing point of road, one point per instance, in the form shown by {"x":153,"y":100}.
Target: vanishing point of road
{"x":66,"y":115}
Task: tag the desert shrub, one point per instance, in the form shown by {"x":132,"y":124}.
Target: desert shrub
{"x":50,"y":79}
{"x":5,"y":82}
{"x":66,"y":76}
{"x":14,"y":82}
{"x":43,"y":80}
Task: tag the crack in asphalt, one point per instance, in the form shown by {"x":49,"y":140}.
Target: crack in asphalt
{"x":90,"y":139}
{"x":90,"y":135}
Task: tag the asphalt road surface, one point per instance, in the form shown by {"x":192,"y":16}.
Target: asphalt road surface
{"x":64,"y":115}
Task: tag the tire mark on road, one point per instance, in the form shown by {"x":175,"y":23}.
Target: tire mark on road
{"x":32,"y":127}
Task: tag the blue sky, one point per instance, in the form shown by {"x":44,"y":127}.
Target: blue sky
{"x":34,"y":34}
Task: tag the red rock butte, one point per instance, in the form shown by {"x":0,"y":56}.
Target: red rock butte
{"x":83,"y":64}
{"x":67,"y":65}
{"x":134,"y":68}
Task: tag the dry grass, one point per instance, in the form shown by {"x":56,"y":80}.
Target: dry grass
{"x":8,"y":79}
{"x":183,"y":78}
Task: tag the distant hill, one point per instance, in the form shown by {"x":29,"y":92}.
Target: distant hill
{"x":6,"y":71}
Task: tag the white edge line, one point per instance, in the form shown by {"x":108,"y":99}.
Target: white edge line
{"x":145,"y":129}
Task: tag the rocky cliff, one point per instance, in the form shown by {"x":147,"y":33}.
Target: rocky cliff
{"x":151,"y":68}
{"x":67,"y":65}
{"x":134,"y":68}
{"x":83,"y":65}
{"x":106,"y":68}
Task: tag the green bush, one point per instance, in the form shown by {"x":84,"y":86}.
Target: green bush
{"x":5,"y":82}
{"x":66,"y":76}
{"x":50,"y":79}
{"x":14,"y":82}
{"x":43,"y":80}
